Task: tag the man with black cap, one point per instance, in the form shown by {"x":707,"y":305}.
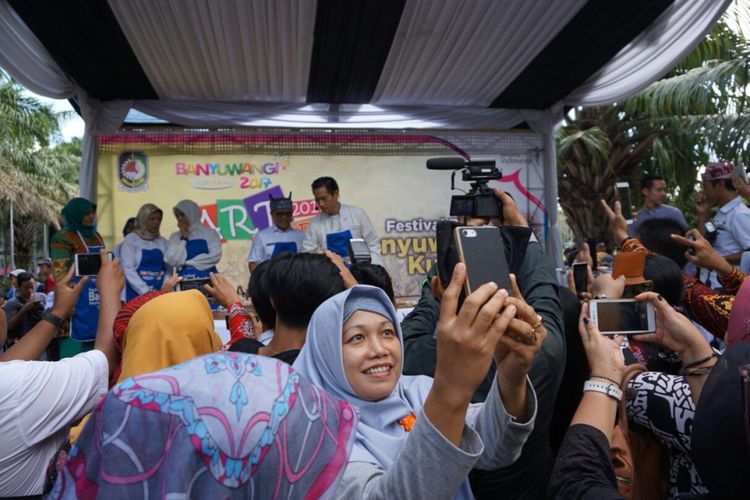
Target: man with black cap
{"x":279,"y":237}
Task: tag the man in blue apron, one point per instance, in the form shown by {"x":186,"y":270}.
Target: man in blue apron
{"x":337,"y":223}
{"x":278,"y":238}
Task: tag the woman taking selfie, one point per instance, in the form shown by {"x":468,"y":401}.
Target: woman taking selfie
{"x":418,"y":436}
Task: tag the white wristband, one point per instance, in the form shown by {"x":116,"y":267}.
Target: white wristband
{"x":610,"y":390}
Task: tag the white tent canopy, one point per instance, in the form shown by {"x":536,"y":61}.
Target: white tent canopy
{"x":485,"y":64}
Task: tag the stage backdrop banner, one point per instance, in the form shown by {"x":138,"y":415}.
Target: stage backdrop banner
{"x":232,"y":174}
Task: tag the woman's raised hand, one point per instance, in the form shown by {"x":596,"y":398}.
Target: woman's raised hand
{"x":467,"y":339}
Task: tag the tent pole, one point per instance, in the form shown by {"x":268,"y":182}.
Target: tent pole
{"x":12,"y":240}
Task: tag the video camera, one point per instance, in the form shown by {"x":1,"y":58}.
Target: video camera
{"x":480,"y":201}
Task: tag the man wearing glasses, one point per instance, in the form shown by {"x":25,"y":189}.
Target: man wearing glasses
{"x":279,"y":237}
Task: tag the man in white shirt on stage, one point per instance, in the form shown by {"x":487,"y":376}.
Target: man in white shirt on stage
{"x":279,"y":237}
{"x":337,"y":223}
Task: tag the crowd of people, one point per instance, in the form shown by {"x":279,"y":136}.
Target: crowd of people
{"x":321,"y":390}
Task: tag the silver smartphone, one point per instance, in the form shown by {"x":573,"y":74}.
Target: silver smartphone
{"x":623,"y":194}
{"x":623,"y":316}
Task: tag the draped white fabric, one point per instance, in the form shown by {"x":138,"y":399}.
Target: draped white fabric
{"x":230,"y":50}
{"x":24,"y":57}
{"x":237,"y":62}
{"x":465,"y":53}
{"x":217,"y":113}
{"x":651,"y":54}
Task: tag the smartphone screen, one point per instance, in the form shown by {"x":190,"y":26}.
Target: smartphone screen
{"x":622,"y":316}
{"x":88,"y":264}
{"x":483,"y":251}
{"x":623,"y":194}
{"x":195,"y":284}
{"x":581,"y":276}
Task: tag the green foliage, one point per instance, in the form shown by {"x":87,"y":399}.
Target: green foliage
{"x":36,"y":177}
{"x":696,"y":113}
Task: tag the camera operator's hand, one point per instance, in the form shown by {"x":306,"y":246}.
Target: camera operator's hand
{"x":617,"y":223}
{"x":346,"y":275}
{"x":66,"y":294}
{"x":603,"y":352}
{"x":170,"y":283}
{"x":511,"y":215}
{"x":605,"y":284}
{"x":223,"y":292}
{"x":702,"y":254}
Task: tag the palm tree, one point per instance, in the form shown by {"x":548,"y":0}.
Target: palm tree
{"x":697,"y":112}
{"x":35,"y":179}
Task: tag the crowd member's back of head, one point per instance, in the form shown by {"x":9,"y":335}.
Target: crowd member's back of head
{"x":257,"y":290}
{"x":298,"y":284}
{"x":667,"y":278}
{"x":655,"y":234}
{"x":375,"y":275}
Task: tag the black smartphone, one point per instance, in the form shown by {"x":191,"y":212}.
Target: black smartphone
{"x":195,"y":284}
{"x":483,"y":251}
{"x":88,"y":264}
{"x":581,"y":276}
{"x":592,"y":250}
{"x":623,"y":194}
{"x":359,"y":252}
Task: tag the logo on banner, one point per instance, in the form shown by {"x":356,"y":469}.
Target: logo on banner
{"x":133,"y":171}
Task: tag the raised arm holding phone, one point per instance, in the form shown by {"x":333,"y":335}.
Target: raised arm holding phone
{"x":43,"y":399}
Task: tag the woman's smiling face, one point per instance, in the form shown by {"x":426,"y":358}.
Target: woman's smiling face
{"x":372,"y":355}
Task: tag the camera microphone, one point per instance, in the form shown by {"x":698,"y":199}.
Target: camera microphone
{"x":446,"y":163}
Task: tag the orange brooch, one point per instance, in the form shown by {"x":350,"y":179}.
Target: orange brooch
{"x":408,"y":421}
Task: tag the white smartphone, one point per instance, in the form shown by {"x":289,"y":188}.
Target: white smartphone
{"x":88,"y":264}
{"x":741,"y":172}
{"x":624,"y":316}
{"x":623,"y":194}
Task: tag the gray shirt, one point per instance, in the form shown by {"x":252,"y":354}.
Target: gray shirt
{"x":431,"y":467}
{"x":662,"y":211}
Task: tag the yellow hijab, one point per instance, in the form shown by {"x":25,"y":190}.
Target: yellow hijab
{"x":166,"y":331}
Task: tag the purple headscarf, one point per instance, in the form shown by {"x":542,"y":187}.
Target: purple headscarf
{"x":224,"y":425}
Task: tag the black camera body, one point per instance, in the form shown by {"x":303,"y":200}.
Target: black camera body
{"x":480,"y":201}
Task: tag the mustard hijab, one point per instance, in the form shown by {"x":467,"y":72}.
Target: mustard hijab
{"x":166,"y":331}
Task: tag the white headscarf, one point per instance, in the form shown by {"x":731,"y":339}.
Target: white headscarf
{"x":191,"y":210}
